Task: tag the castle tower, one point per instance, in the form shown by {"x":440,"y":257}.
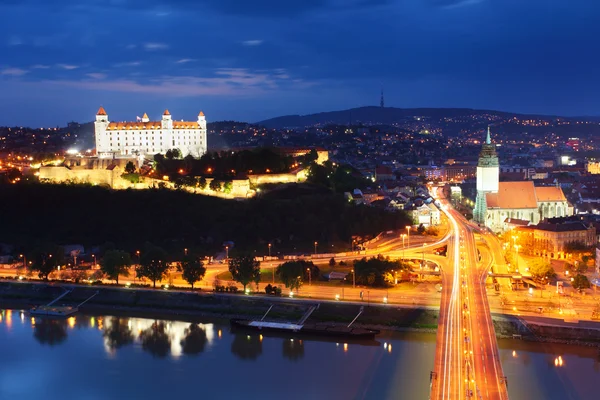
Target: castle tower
{"x":100,"y":126}
{"x":202,"y":120}
{"x":145,"y":118}
{"x":488,"y":176}
{"x":167,"y":121}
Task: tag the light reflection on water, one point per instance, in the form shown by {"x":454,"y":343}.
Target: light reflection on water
{"x":146,"y":358}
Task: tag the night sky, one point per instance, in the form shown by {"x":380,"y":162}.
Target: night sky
{"x":255,"y":59}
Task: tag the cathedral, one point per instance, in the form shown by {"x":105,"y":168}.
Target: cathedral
{"x":145,"y":137}
{"x":499,"y":202}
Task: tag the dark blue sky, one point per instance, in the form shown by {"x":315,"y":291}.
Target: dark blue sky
{"x":255,"y":59}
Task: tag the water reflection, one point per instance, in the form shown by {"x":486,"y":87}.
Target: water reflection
{"x":194,"y":340}
{"x":293,"y":349}
{"x":50,"y":331}
{"x":246,"y":347}
{"x":118,"y":333}
{"x":156,"y":340}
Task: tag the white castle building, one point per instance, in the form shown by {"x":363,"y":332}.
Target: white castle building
{"x":145,"y":137}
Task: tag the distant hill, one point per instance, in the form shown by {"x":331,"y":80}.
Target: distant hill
{"x":375,"y":115}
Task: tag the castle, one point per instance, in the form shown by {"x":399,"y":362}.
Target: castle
{"x":145,"y":137}
{"x":498,"y":203}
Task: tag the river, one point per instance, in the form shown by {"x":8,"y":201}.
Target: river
{"x":103,"y":357}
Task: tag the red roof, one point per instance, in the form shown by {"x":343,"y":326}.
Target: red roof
{"x":101,"y":111}
{"x":549,"y":193}
{"x":166,"y":112}
{"x":513,"y":195}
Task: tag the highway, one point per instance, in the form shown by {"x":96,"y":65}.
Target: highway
{"x":466,"y":362}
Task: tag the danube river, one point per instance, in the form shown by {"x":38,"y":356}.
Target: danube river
{"x":103,"y":357}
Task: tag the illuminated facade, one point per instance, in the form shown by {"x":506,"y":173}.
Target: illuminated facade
{"x":145,"y":137}
{"x":498,"y":201}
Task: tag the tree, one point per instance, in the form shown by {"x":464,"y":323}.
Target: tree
{"x":294,"y":273}
{"x":130,"y":168}
{"x":153,"y":264}
{"x":194,"y":340}
{"x":581,"y":281}
{"x":377,"y":271}
{"x":332,"y":262}
{"x":193,"y":270}
{"x":227,"y":187}
{"x":115,"y":263}
{"x":244,"y":269}
{"x":156,"y":339}
{"x":541,"y":270}
{"x":202,"y":183}
{"x":118,"y":334}
{"x":46,"y":259}
{"x":215,"y":185}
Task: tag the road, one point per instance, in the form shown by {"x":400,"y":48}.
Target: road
{"x":466,"y":362}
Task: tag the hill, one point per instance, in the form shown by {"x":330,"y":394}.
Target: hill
{"x":378,"y":115}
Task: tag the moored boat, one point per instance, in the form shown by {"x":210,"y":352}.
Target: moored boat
{"x":328,"y":330}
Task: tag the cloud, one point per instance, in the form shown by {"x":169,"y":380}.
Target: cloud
{"x":14,"y":41}
{"x":40,"y":66}
{"x":128,"y":64}
{"x":152,"y":46}
{"x":13,"y":71}
{"x":254,"y":42}
{"x":454,"y":3}
{"x":228,"y":81}
{"x":96,"y":75}
{"x":184,"y":60}
{"x":67,"y":66}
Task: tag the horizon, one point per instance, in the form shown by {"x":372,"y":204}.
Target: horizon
{"x":158,"y":116}
{"x":424,"y":54}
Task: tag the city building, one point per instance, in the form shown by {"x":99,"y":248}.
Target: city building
{"x":553,"y":239}
{"x":593,"y":167}
{"x":498,"y":201}
{"x":145,"y":137}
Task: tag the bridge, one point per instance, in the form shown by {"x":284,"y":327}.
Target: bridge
{"x":466,"y":361}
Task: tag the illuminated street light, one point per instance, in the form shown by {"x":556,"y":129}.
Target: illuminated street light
{"x":227,"y":252}
{"x":309,"y":276}
{"x":408,"y":234}
{"x":316,"y":243}
{"x":269,"y":249}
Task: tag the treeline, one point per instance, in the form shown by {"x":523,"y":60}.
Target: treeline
{"x":228,"y":164}
{"x":34,"y":214}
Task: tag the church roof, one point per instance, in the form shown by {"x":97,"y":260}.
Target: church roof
{"x":201,"y":114}
{"x":166,"y":112}
{"x":549,"y":193}
{"x":513,"y":195}
{"x":101,"y":111}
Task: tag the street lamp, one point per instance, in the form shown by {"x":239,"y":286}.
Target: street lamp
{"x":316,"y":243}
{"x":185,"y":251}
{"x":309,"y":276}
{"x":24,"y":260}
{"x":353,"y":278}
{"x":517,"y":249}
{"x":269,"y":249}
{"x":94,"y":258}
{"x":226,"y":252}
{"x":408,"y":234}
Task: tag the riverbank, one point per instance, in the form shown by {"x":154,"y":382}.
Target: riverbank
{"x":193,"y":306}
